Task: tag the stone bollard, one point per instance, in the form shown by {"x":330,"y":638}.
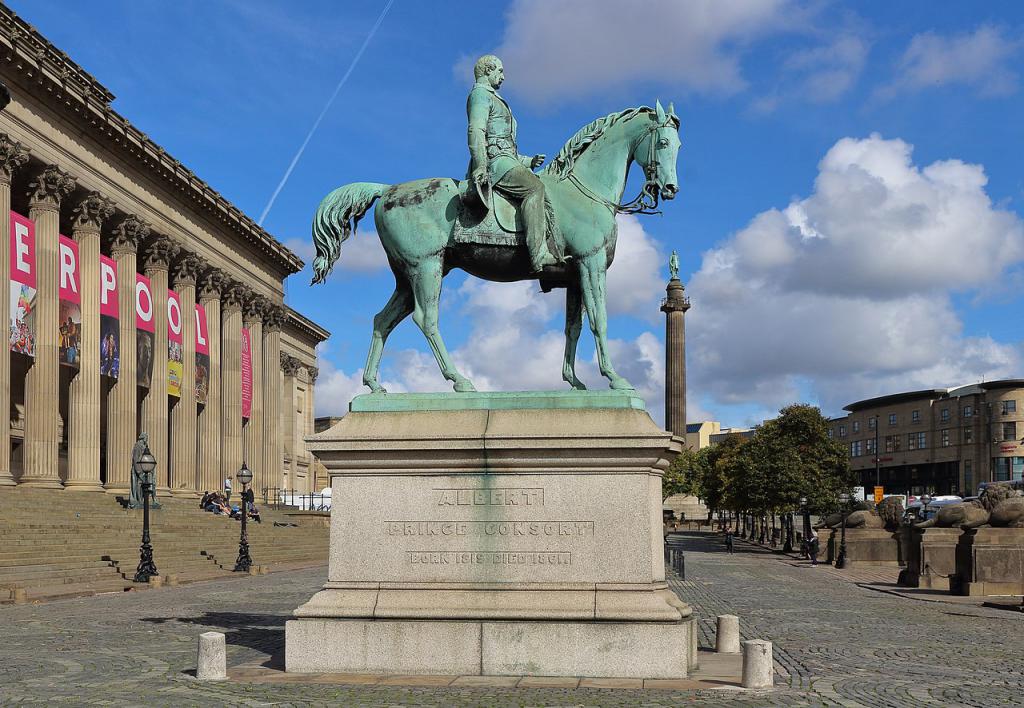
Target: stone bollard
{"x":19,"y":596}
{"x":212,"y":661}
{"x":156,"y":581}
{"x":173,"y":580}
{"x":757,"y":664}
{"x":727,"y":635}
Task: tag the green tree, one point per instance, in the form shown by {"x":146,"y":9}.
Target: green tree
{"x":684,"y":476}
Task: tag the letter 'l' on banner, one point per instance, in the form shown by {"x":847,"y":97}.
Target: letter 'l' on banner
{"x":202,"y":356}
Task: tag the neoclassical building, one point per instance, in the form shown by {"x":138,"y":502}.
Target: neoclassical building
{"x":140,"y":300}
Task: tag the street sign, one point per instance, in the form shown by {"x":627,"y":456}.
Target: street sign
{"x":879,"y":494}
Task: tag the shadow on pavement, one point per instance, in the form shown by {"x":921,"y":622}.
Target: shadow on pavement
{"x":263,"y":633}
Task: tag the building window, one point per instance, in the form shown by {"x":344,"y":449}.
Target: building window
{"x":870,"y":445}
{"x":944,"y":415}
{"x":968,"y":477}
{"x":968,"y":412}
{"x":892,"y":443}
{"x":871,"y":422}
{"x":1008,"y":468}
{"x":856,"y":448}
{"x":915,"y":416}
{"x":945,"y":438}
{"x":892,"y":419}
{"x":968,"y":435}
{"x":842,"y":431}
{"x":1009,"y":431}
{"x":856,"y":426}
{"x":1008,"y":407}
{"x":921,"y":441}
{"x":916,"y":441}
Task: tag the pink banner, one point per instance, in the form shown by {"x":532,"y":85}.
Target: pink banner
{"x":202,"y":334}
{"x":108,"y":287}
{"x":69,"y":330}
{"x":110,"y":328}
{"x":70,"y":279}
{"x":21,"y":318}
{"x":23,"y":250}
{"x":202,"y":356}
{"x":144,"y":319}
{"x":173,"y":317}
{"x":246,"y":374}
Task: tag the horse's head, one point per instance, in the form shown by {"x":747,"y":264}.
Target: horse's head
{"x":656,"y":153}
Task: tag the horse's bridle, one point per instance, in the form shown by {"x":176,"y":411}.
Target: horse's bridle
{"x":647,"y":201}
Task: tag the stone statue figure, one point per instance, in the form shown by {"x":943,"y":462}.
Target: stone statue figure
{"x":673,"y":266}
{"x":139,"y":477}
{"x":429,"y":227}
{"x":495,"y":161}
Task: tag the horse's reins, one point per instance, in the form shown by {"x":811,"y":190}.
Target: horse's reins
{"x":644,"y":203}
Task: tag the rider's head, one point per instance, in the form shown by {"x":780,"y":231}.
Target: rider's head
{"x":489,"y":67}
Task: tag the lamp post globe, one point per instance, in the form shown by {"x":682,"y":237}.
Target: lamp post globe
{"x":244,"y":561}
{"x":926,"y":499}
{"x":844,"y":499}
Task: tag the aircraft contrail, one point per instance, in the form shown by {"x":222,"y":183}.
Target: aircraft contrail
{"x":316,"y":124}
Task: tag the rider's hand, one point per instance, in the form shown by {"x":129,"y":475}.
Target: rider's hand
{"x":480,"y":175}
{"x":537,"y":161}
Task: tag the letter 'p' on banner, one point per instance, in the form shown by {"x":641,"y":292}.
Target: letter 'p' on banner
{"x":23,"y":285}
{"x":110,"y":330}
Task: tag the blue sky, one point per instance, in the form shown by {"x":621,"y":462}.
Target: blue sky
{"x":849,"y":221}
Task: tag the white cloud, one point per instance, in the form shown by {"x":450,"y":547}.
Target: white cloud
{"x":982,"y":58}
{"x":575,"y":48}
{"x":361,"y":253}
{"x":829,"y":71}
{"x":847,"y":293}
{"x":636,"y":279}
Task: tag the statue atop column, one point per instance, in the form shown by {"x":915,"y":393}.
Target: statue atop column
{"x":673,"y":266}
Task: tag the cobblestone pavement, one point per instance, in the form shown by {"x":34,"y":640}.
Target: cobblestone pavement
{"x":836,"y":643}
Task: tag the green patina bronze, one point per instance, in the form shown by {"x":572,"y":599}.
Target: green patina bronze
{"x":673,"y":266}
{"x":430,"y":226}
{"x":495,"y":401}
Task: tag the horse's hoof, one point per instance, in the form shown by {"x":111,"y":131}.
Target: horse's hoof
{"x":620,"y":384}
{"x":574,"y":383}
{"x":464,"y":386}
{"x":374,"y":387}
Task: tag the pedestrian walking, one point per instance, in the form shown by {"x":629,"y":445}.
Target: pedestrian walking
{"x":728,"y":540}
{"x":812,"y":547}
{"x":227,"y":489}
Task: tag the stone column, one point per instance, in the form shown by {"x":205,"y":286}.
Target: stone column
{"x":208,"y":455}
{"x":252,"y":433}
{"x":289,"y":369}
{"x":183,"y":416}
{"x":158,"y":256}
{"x":12,"y":156}
{"x":231,"y":381}
{"x":84,"y":395}
{"x":271,"y":458}
{"x":122,"y":401}
{"x":42,"y":384}
{"x":312,"y":373}
{"x":675,"y":306}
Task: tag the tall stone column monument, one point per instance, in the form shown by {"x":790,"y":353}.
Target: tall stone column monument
{"x":675,"y":306}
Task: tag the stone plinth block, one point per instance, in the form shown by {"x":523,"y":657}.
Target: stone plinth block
{"x":524,"y":538}
{"x":875,"y":547}
{"x":727,"y":635}
{"x":211,"y":663}
{"x":990,"y":561}
{"x":931,"y":557}
{"x":757,"y":664}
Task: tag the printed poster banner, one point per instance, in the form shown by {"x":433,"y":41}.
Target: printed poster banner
{"x":175,"y":366}
{"x":202,"y":356}
{"x":145,"y":325}
{"x":23,"y":285}
{"x":246,"y":374}
{"x":70,"y":313}
{"x":110,"y":331}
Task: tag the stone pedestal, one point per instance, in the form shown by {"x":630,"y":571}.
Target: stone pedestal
{"x":989,"y":561}
{"x":495,"y":534}
{"x":931,"y":557}
{"x":876,"y":547}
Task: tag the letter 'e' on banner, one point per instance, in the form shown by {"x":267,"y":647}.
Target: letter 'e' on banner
{"x":175,"y":369}
{"x":22,"y":285}
{"x":110,"y":330}
{"x":202,"y":356}
{"x":145,"y":326}
{"x":69,"y":324}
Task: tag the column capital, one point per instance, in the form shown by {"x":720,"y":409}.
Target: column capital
{"x":212,"y":284}
{"x":274,"y":317}
{"x":159,"y":253}
{"x":12,"y":156}
{"x":91,"y":212}
{"x":289,"y":364}
{"x":187,"y":269}
{"x":233,"y":295}
{"x":312,"y":372}
{"x":128,"y":235}
{"x":253,"y":308}
{"x":49,"y":187}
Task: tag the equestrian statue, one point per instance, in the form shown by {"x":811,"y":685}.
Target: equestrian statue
{"x":506,"y":222}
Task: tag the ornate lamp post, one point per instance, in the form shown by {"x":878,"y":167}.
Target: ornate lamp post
{"x":844,"y":499}
{"x":805,"y":549}
{"x":787,"y":524}
{"x":244,"y":562}
{"x":147,"y":568}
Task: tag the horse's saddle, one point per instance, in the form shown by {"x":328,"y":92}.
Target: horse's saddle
{"x":487,"y":218}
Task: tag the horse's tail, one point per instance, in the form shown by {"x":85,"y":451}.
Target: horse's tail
{"x":336,"y":219}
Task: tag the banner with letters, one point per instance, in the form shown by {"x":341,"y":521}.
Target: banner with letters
{"x":69,"y":328}
{"x":202,"y":356}
{"x":175,"y":357}
{"x":145,"y":325}
{"x":110,"y":330}
{"x":22,"y":285}
{"x":246,"y":374}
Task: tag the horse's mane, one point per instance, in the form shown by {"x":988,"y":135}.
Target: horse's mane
{"x":563,"y":162}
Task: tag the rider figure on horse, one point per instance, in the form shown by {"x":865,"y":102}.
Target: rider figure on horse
{"x":495,"y":162}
